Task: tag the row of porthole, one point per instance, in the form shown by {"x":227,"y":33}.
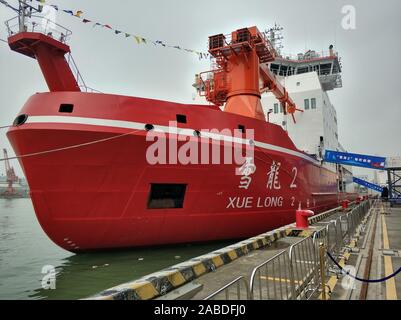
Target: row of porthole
{"x":197,"y":133}
{"x":151,"y":127}
{"x":21,"y":119}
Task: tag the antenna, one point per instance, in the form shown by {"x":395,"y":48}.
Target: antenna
{"x":25,"y":11}
{"x":275,"y":36}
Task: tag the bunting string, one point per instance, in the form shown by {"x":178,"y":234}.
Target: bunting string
{"x":140,"y":40}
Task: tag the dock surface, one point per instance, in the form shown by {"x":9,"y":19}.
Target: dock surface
{"x":291,"y":263}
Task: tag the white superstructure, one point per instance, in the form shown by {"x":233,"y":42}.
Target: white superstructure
{"x":315,"y":128}
{"x":308,"y":77}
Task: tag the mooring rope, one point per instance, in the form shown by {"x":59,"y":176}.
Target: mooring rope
{"x":360,"y":279}
{"x":69,"y":147}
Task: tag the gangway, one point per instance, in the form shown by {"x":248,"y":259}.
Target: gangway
{"x":392,"y":165}
{"x":368,"y":185}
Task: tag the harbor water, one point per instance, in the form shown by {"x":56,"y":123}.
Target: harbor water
{"x":26,"y":252}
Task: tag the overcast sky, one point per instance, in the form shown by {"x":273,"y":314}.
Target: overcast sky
{"x":368,"y":105}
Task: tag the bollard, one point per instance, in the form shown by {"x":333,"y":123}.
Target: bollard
{"x":344,"y":204}
{"x":322,"y":253}
{"x":301,"y":217}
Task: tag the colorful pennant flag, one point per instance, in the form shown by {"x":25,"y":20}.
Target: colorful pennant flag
{"x":139,"y":39}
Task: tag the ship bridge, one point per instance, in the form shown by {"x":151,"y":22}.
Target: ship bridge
{"x":326,"y":64}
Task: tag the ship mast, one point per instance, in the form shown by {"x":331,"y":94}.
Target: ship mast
{"x":24,"y":11}
{"x":39,"y":38}
{"x":275,"y":36}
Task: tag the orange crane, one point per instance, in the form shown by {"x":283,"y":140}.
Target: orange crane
{"x":239,"y":70}
{"x":11,"y":176}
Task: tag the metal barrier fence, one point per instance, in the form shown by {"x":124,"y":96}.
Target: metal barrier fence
{"x":304,"y":268}
{"x":232,"y":289}
{"x":295,"y":273}
{"x":271,"y":280}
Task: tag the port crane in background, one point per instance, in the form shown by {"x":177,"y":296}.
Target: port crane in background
{"x":240,"y":74}
{"x":11,"y":177}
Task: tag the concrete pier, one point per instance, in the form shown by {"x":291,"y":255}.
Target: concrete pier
{"x":201,"y":276}
{"x":290,"y":263}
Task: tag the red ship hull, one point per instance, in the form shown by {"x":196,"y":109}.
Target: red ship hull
{"x":97,"y":196}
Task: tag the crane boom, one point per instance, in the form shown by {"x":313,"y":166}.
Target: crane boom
{"x":240,"y":64}
{"x":271,"y":84}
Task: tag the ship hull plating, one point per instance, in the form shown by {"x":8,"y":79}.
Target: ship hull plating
{"x":98,"y":196}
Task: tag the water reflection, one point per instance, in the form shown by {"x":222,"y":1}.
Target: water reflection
{"x":25,"y":250}
{"x":83,"y":275}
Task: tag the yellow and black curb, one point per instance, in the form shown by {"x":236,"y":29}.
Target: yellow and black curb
{"x":160,"y":283}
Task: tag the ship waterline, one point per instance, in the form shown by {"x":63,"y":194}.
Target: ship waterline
{"x":107,"y":195}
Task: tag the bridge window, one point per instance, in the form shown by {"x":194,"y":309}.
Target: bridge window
{"x":166,"y":196}
{"x":306,"y":104}
{"x":313,"y":103}
{"x":276,"y":108}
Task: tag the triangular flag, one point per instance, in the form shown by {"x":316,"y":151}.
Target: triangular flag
{"x":79,"y":13}
{"x":54,"y":6}
{"x":127,"y":35}
{"x":86,"y":21}
{"x":117,"y":32}
{"x":143,"y":40}
{"x":96,"y":24}
{"x":137,"y":39}
{"x":40,"y":6}
{"x":177,"y":47}
{"x":69,"y":12}
{"x":107,"y":26}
